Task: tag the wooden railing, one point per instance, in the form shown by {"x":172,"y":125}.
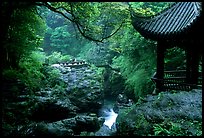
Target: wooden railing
{"x":176,"y":80}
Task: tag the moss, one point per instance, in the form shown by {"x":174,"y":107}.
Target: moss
{"x":178,"y":128}
{"x":131,"y":124}
{"x":85,"y":133}
{"x":92,"y":82}
{"x":141,"y":126}
{"x":136,"y":126}
{"x":163,"y":101}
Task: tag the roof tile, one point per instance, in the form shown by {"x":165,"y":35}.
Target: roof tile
{"x":172,"y":21}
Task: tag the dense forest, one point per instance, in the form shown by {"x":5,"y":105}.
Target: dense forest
{"x":62,"y":61}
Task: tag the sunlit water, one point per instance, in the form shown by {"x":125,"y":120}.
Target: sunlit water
{"x":110,"y":117}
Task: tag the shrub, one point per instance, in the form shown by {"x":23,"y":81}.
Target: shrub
{"x":30,"y":70}
{"x":56,"y":57}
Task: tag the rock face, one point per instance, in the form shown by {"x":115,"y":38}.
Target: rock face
{"x":68,"y":109}
{"x":84,"y":87}
{"x":61,"y":110}
{"x":68,"y":127}
{"x":165,"y":114}
{"x":50,"y":107}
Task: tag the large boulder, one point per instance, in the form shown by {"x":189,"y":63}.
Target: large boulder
{"x":84,"y":87}
{"x":68,"y":127}
{"x":51,"y":108}
{"x":164,"y":114}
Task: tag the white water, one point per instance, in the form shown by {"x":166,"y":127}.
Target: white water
{"x":110,"y":118}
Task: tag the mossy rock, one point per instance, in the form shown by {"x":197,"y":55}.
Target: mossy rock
{"x":166,"y":114}
{"x":131,"y":124}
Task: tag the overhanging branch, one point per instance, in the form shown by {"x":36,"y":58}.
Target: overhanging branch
{"x":113,"y":32}
{"x":75,"y":21}
{"x":55,"y":10}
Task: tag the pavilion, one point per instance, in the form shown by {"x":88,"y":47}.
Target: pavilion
{"x":180,"y":25}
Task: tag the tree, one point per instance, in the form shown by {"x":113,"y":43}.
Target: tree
{"x":79,"y":12}
{"x":22,"y":31}
{"x":61,"y":36}
{"x":107,"y":22}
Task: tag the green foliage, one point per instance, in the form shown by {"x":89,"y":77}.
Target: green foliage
{"x":85,"y":133}
{"x":10,"y":74}
{"x":85,"y":52}
{"x":30,"y":70}
{"x":61,"y":36}
{"x":139,"y":82}
{"x":146,"y":12}
{"x":123,"y":113}
{"x":99,"y":16}
{"x":24,"y":35}
{"x":131,"y":124}
{"x":56,"y":57}
{"x":33,"y":74}
{"x":59,"y":89}
{"x":174,"y":59}
{"x":136,"y":62}
{"x":52,"y":76}
{"x":137,"y":55}
{"x":176,"y":129}
{"x":98,"y":73}
{"x":102,"y":21}
{"x":149,"y":8}
{"x":141,"y":123}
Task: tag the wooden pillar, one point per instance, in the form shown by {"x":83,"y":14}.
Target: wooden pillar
{"x":188,"y":65}
{"x":194,"y":66}
{"x":160,"y":65}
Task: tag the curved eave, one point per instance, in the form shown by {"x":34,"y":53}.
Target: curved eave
{"x":171,"y":23}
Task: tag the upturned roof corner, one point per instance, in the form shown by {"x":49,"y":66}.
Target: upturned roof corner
{"x":173,"y":23}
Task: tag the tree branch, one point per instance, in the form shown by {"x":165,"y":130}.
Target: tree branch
{"x":79,"y":26}
{"x":113,"y":32}
{"x":54,"y":10}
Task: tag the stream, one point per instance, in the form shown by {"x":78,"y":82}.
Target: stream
{"x":109,"y":127}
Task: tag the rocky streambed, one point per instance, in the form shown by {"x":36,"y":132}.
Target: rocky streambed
{"x":74,"y":109}
{"x":82,"y":107}
{"x":176,"y":113}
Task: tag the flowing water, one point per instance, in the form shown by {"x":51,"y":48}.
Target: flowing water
{"x":108,"y":128}
{"x":110,"y":117}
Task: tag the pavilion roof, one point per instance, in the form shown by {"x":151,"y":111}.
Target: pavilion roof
{"x":175,"y":22}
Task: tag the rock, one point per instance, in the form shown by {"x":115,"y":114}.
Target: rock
{"x":88,"y":71}
{"x":68,"y":127}
{"x":84,"y":88}
{"x":86,"y":101}
{"x":122,"y":102}
{"x":22,"y":98}
{"x":53,"y":129}
{"x":52,"y":109}
{"x":113,"y":83}
{"x":105,"y":131}
{"x":164,"y":109}
{"x":87,"y":123}
{"x":11,"y":88}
